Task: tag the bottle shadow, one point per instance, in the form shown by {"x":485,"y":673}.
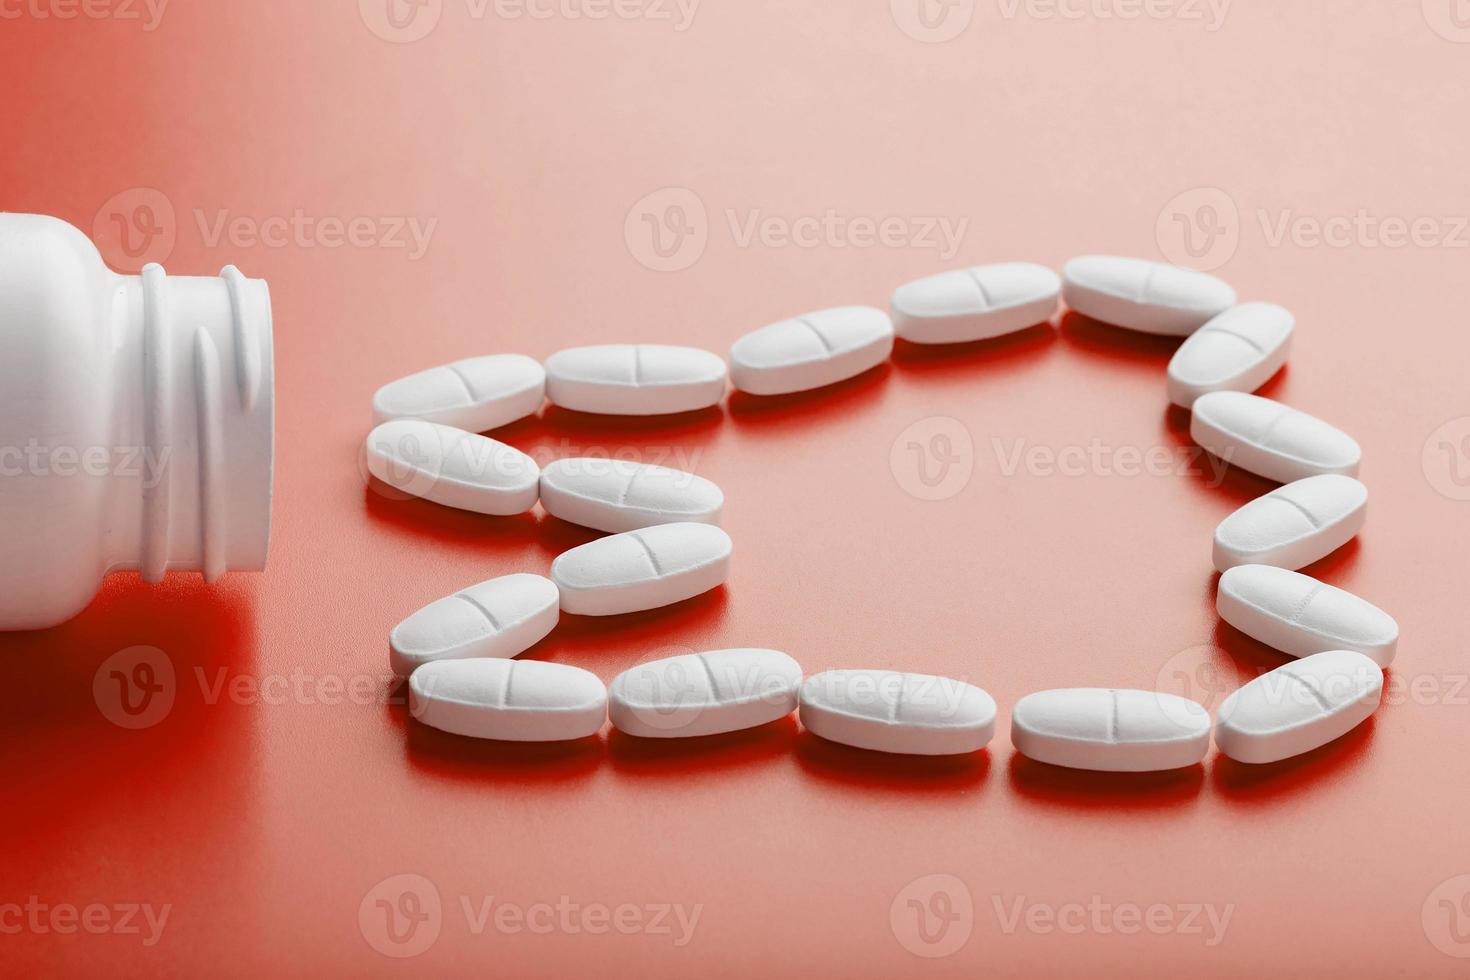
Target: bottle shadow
{"x":1081,"y":789}
{"x":152,"y":692}
{"x":886,"y":773}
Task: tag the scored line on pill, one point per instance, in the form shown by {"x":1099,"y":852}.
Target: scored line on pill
{"x":469,"y":388}
{"x":481,"y":608}
{"x":980,"y":285}
{"x":648,"y":552}
{"x":1113,"y":717}
{"x":1311,"y":518}
{"x":1301,"y":607}
{"x":1240,"y":337}
{"x":821,"y":339}
{"x":1145,"y":283}
{"x":1317,"y":696}
{"x":714,"y":688}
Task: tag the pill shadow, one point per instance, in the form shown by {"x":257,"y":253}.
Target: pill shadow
{"x":581,"y":634}
{"x":1119,"y":344}
{"x":1114,"y":791}
{"x":1338,"y":564}
{"x":585,"y":433}
{"x":683,"y":758}
{"x":774,"y":412}
{"x":885,"y":772}
{"x":458,"y":757}
{"x":1208,"y":473}
{"x":963,"y":360}
{"x":1255,"y":785}
{"x":463,"y":529}
{"x":1251,"y":658}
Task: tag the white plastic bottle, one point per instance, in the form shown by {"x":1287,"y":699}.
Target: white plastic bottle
{"x":136,"y":422}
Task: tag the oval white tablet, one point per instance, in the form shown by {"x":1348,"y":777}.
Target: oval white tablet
{"x":643,"y":569}
{"x":452,"y":467}
{"x":501,"y":618}
{"x":1294,"y":525}
{"x":1110,"y":730}
{"x":1142,"y":295}
{"x":617,"y":495}
{"x":1299,"y":615}
{"x":476,"y":394}
{"x":635,"y":379}
{"x":510,"y":700}
{"x":888,"y":711}
{"x":1299,"y":707}
{"x":811,"y":351}
{"x":1271,"y":439}
{"x":975,"y":304}
{"x":704,"y":693}
{"x":1239,"y":350}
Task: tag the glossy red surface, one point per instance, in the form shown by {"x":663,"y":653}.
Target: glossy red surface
{"x":270,"y":807}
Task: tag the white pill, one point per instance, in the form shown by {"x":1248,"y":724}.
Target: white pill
{"x":704,"y":693}
{"x":888,"y":711}
{"x":642,"y":569}
{"x":975,"y":304}
{"x":1294,"y":525}
{"x":811,"y":351}
{"x":1239,"y":350}
{"x":617,"y":495}
{"x":1142,"y":295}
{"x":510,"y":700}
{"x":501,"y":618}
{"x":1271,"y":439}
{"x":635,"y":379}
{"x":1299,"y":706}
{"x":1110,"y":730}
{"x":452,"y":467}
{"x":1301,"y":616}
{"x":476,"y":395}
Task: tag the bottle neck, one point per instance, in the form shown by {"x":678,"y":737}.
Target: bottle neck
{"x":195,"y":405}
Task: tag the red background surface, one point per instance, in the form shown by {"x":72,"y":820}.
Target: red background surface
{"x":266,"y":817}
